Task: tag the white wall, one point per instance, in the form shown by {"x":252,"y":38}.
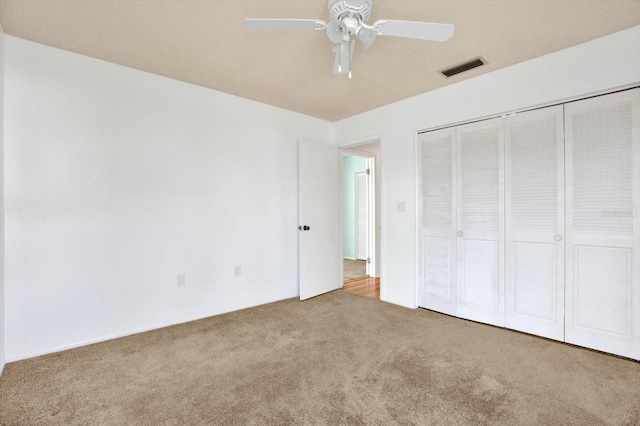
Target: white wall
{"x":2,"y":304}
{"x":594,"y":67}
{"x":118,"y":180}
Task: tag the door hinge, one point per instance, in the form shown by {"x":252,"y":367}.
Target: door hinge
{"x":368,"y":260}
{"x":368,"y":171}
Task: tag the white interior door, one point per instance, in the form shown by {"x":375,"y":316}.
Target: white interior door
{"x":602,"y":140}
{"x":534,"y":179}
{"x":362,"y":213}
{"x":319,"y":212}
{"x":372,"y":219}
{"x":480,"y":222}
{"x":437,"y":221}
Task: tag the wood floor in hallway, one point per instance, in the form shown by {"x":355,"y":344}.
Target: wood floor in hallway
{"x":364,"y":286}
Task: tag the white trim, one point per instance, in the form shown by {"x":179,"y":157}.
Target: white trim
{"x":354,"y":143}
{"x":3,"y":299}
{"x":417,"y":223}
{"x":570,"y":99}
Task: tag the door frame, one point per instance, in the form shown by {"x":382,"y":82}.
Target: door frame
{"x":374,"y":214}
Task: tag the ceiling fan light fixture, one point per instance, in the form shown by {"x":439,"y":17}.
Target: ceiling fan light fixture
{"x":367,"y":36}
{"x":335,"y":31}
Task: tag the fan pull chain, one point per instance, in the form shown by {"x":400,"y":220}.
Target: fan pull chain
{"x":349,"y":58}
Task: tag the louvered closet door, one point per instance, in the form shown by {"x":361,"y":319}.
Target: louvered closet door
{"x":603,"y":223}
{"x":436,"y":151}
{"x":534,"y":179}
{"x":480,"y":222}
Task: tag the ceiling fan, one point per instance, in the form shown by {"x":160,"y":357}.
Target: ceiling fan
{"x":348,"y":19}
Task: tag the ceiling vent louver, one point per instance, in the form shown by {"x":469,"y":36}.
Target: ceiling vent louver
{"x":465,"y":66}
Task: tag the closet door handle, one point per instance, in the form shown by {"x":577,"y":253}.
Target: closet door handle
{"x":558,"y":237}
{"x":460,"y":234}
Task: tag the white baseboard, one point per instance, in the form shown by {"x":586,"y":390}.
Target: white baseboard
{"x":129,"y":333}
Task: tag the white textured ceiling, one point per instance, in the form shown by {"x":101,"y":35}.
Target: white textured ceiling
{"x":205,"y":43}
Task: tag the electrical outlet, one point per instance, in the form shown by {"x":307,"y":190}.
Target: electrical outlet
{"x":400,"y":206}
{"x":181,"y":280}
{"x":237,"y":271}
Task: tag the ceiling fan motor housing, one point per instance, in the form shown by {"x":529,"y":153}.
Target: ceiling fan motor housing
{"x":341,"y":8}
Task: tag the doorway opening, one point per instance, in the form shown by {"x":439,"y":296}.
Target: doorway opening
{"x":360,"y":224}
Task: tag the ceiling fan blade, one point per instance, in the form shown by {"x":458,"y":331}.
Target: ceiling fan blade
{"x":344,"y":56}
{"x":414,"y":29}
{"x":277,"y":24}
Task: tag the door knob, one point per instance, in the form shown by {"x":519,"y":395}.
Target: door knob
{"x":558,"y":237}
{"x":306,"y":228}
{"x":460,"y":234}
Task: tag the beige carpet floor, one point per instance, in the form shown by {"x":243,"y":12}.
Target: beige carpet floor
{"x":354,"y":269}
{"x":334,"y":359}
